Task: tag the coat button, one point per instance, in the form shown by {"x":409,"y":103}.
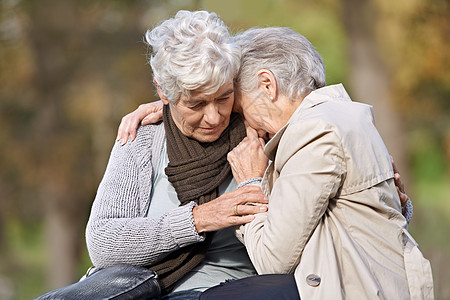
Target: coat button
{"x":313,"y":280}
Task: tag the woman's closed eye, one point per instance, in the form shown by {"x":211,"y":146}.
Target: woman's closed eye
{"x":223,"y":99}
{"x":195,"y":105}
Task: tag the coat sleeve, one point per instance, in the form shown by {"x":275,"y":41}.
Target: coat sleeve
{"x":309,"y":161}
{"x":118,"y":230}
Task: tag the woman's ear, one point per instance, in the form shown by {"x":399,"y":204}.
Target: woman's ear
{"x":267,"y":83}
{"x":160,"y":93}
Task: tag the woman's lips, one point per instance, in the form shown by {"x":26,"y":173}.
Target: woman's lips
{"x":209,"y":129}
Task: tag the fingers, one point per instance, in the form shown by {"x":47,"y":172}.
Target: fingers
{"x":123,"y":132}
{"x":245,"y":213}
{"x":251,"y":133}
{"x":235,"y":167}
{"x":403,"y":197}
{"x":240,"y":220}
{"x":150,"y":112}
{"x":250,"y":194}
{"x":158,"y":104}
{"x":127,"y":129}
{"x":393,"y":164}
{"x":233,"y":208}
{"x":247,"y":160}
{"x":403,"y":200}
{"x":262,"y":142}
{"x":399,"y":183}
{"x":397,"y":179}
{"x":153,"y":118}
{"x":248,"y":209}
{"x":249,"y":143}
{"x":129,"y":124}
{"x":132,"y":128}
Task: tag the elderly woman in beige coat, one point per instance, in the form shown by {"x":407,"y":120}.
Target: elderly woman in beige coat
{"x":334,"y":215}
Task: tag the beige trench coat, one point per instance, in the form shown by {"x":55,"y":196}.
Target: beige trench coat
{"x":334,"y":214}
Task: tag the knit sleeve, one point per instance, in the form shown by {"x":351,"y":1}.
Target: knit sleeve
{"x":408,"y":213}
{"x":118,"y":230}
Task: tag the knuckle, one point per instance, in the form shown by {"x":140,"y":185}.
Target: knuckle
{"x":244,"y":190}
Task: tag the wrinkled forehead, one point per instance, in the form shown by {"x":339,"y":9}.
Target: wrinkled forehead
{"x":208,"y":94}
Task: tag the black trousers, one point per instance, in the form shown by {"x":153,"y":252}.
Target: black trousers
{"x":260,"y":287}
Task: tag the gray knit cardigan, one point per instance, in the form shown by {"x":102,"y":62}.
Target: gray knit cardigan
{"x":118,"y":230}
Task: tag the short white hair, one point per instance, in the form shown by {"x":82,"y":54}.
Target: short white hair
{"x":296,"y":65}
{"x":192,"y":51}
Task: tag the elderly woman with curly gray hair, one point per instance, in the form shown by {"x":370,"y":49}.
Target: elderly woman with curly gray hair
{"x":166,"y":199}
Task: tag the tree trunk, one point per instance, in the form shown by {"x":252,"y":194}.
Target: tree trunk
{"x":50,"y":36}
{"x":64,"y":239}
{"x":370,"y":78}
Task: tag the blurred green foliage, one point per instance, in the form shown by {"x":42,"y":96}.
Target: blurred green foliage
{"x":70,"y":69}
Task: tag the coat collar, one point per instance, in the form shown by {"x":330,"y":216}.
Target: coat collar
{"x":335,"y":92}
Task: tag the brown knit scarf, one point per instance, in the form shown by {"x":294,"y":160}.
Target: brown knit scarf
{"x":195,"y":170}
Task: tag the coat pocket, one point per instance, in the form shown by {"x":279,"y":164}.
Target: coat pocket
{"x":418,"y":270}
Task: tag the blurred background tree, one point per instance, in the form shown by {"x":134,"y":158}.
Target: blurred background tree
{"x":69,"y":70}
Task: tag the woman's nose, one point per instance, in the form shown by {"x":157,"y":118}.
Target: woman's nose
{"x":212,"y":115}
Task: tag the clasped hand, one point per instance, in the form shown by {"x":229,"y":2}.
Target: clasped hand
{"x":230,"y":209}
{"x":248,"y":160}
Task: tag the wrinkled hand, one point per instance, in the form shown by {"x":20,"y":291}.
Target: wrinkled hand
{"x":400,"y":186}
{"x":247,"y":160}
{"x":145,"y":114}
{"x":221,"y":212}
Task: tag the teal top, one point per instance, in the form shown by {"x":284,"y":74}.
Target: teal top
{"x":227,"y":257}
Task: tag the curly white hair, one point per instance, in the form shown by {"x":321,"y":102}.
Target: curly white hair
{"x":192,"y":51}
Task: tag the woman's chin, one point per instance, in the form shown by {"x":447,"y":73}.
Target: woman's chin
{"x":206,"y":136}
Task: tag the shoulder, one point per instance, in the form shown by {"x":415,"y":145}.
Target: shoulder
{"x":333,"y":105}
{"x":309,"y":140}
{"x":147,"y":137}
{"x":149,"y":134}
{"x":343,"y":116}
{"x":312,"y":122}
{"x":148,"y":142}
